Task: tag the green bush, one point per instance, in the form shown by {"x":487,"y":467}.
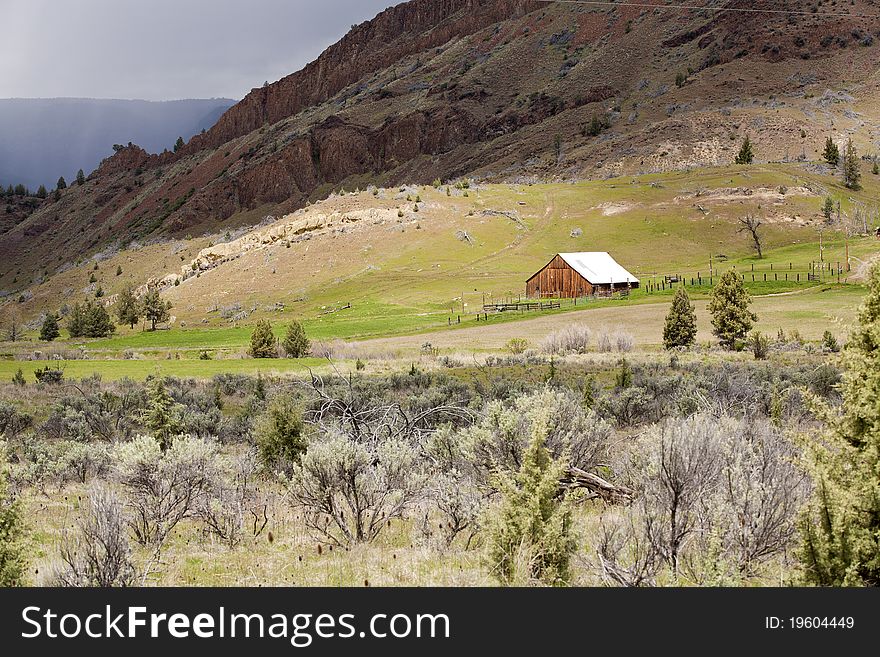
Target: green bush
{"x":12,"y":549}
{"x":530,"y":534}
{"x":280,"y":434}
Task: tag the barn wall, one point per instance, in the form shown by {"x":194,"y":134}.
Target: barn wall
{"x":558,"y":280}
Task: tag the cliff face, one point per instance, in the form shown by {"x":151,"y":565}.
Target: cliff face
{"x":396,"y":33}
{"x":497,"y":89}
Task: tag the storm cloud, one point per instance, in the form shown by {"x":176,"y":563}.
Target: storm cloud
{"x":164,"y":49}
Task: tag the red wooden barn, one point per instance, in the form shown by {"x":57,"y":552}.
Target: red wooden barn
{"x":570,"y":275}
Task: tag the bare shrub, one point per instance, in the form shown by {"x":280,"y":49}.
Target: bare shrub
{"x":234,"y":504}
{"x":574,"y":339}
{"x":99,"y":554}
{"x":350,"y":489}
{"x":499,"y":439}
{"x":623,"y":341}
{"x":605,"y":342}
{"x":453,"y":487}
{"x":717,"y":497}
{"x":163,"y":488}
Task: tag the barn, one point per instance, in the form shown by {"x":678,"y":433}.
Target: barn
{"x":571,"y":275}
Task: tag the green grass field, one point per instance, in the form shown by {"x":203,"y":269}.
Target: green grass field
{"x":112,"y":370}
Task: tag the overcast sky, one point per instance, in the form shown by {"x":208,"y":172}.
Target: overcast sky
{"x":164,"y":49}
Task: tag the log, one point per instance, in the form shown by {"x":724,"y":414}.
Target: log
{"x":610,"y":493}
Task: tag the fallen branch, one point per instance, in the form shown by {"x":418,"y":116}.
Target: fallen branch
{"x":601,"y":488}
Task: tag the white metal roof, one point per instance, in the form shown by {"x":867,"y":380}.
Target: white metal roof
{"x":599,"y":268}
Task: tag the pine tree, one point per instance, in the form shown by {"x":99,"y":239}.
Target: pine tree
{"x":840,"y":529}
{"x":62,"y":183}
{"x":295,"y":343}
{"x":155,"y":309}
{"x":162,"y":416}
{"x":49,"y":331}
{"x":12,"y":528}
{"x":42,"y":192}
{"x":263,"y":341}
{"x":831,"y":153}
{"x":128,"y":308}
{"x":179,"y":144}
{"x":681,"y":322}
{"x":852,"y":173}
{"x":80,"y":177}
{"x":745,"y":155}
{"x":729,"y":307}
{"x":530,"y":535}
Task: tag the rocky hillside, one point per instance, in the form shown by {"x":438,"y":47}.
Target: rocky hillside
{"x":500,"y":90}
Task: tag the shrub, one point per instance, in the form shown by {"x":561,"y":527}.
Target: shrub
{"x":100,"y":554}
{"x":263,"y":341}
{"x":163,"y":488}
{"x":13,"y":558}
{"x":530,"y":534}
{"x":234,"y":502}
{"x":573,"y":339}
{"x":517,"y":346}
{"x":49,"y":375}
{"x":500,"y":439}
{"x":280,"y":434}
{"x":716,"y":498}
{"x":19,"y":379}
{"x":13,"y":421}
{"x":760,"y":345}
{"x":829,"y":342}
{"x":349,"y":490}
{"x":624,"y":342}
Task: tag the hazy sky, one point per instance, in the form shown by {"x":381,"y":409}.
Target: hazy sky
{"x":164,"y":49}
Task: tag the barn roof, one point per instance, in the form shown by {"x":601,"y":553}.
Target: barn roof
{"x":598,"y":267}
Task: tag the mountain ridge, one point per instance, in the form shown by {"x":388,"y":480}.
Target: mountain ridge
{"x":499,"y":90}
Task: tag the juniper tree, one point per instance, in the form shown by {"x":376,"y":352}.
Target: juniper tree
{"x":179,"y":144}
{"x":12,"y":528}
{"x":681,"y":322}
{"x":162,"y":416}
{"x":828,"y":208}
{"x":852,"y":174}
{"x":263,"y":341}
{"x":49,"y":331}
{"x":745,"y":155}
{"x":42,"y":192}
{"x":296,"y":344}
{"x":80,"y":177}
{"x":154,"y":308}
{"x":128,"y":308}
{"x":530,"y":536}
{"x":729,"y":306}
{"x":840,"y":528}
{"x":62,"y":183}
{"x":831,"y":153}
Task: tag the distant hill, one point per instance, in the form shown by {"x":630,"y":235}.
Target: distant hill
{"x":42,"y":139}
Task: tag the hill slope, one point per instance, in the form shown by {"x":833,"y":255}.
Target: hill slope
{"x":501,"y":90}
